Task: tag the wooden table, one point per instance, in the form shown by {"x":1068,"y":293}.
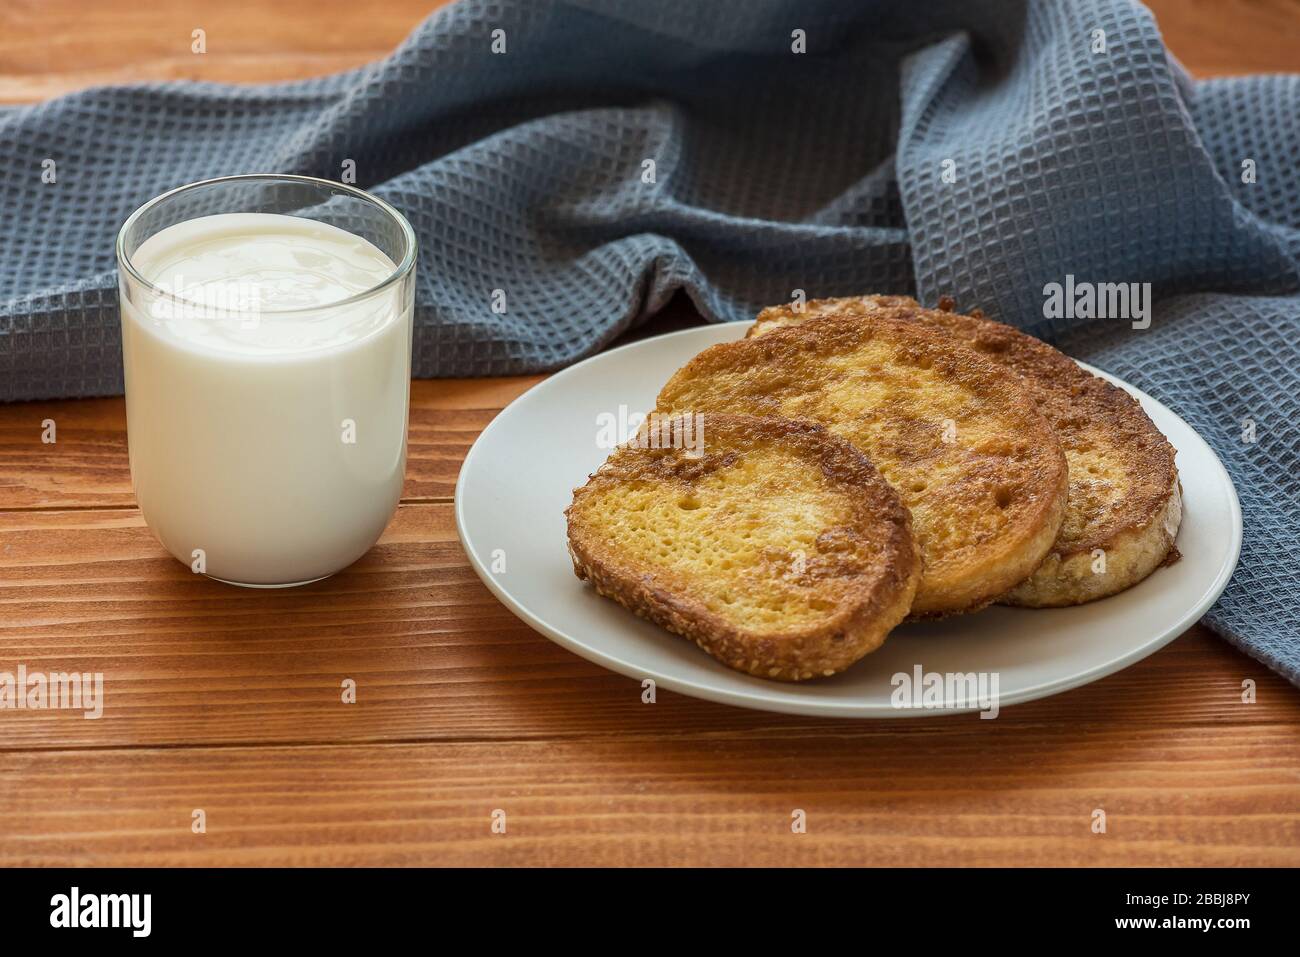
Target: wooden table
{"x":229,"y":701}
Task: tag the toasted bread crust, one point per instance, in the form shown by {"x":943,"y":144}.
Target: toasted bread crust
{"x":987,"y":503}
{"x":857,"y":584}
{"x":1078,"y":577}
{"x":1124,"y":496}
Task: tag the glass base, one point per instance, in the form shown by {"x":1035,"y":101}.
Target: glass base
{"x":225,"y":581}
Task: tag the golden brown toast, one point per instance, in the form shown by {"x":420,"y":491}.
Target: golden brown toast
{"x":779,"y":550}
{"x":1124,"y":504}
{"x":979,"y":468}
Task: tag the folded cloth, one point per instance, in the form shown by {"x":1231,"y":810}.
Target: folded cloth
{"x":578,"y":162}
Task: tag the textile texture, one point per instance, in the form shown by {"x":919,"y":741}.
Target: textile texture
{"x":588,"y":159}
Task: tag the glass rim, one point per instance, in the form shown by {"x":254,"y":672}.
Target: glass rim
{"x":401,"y":270}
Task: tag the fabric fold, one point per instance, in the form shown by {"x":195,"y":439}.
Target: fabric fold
{"x":590,"y":158}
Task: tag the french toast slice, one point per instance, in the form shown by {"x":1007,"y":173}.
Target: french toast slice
{"x":978,"y":467}
{"x":1125,"y":503}
{"x":773,"y":545}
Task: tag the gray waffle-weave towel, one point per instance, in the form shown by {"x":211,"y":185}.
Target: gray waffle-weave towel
{"x":976,"y":148}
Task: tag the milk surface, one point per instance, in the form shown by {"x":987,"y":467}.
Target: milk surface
{"x":266,"y":414}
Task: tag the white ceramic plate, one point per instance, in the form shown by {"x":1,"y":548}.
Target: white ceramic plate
{"x":520,"y":475}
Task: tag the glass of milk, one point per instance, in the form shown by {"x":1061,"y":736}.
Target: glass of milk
{"x":266,"y":340}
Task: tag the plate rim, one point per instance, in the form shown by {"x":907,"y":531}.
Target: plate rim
{"x":816,"y":707}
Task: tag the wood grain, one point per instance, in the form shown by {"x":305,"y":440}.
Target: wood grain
{"x":1231,"y":37}
{"x":52,"y":47}
{"x":434,"y":655}
{"x":87,"y":466}
{"x":228,"y":700}
{"x":1003,"y":796}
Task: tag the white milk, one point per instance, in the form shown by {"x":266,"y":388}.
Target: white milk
{"x":265,"y":430}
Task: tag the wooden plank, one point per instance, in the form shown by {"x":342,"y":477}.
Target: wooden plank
{"x":435,"y":656}
{"x":87,"y":465}
{"x":52,"y":47}
{"x":1012,"y":795}
{"x":1231,"y":37}
{"x":229,"y":700}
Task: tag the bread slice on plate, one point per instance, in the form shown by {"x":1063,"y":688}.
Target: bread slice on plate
{"x":980,"y":469}
{"x":773,"y":545}
{"x":1125,"y":503}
